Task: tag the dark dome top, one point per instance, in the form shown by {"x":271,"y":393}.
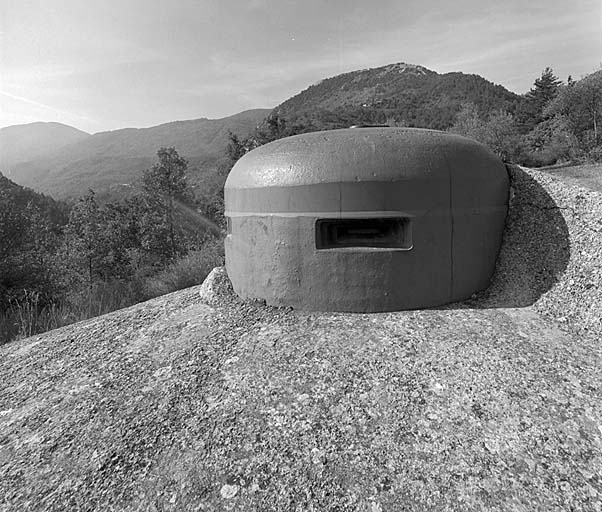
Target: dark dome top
{"x":362,"y":154}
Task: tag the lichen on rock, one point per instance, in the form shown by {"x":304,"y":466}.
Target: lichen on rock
{"x":216,"y":287}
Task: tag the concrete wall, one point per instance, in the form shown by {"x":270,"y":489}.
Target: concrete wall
{"x":453,"y":191}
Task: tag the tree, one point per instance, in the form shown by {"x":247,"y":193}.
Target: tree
{"x":544,"y":88}
{"x":96,"y":241}
{"x":543,"y":91}
{"x":500,"y":133}
{"x":164,"y":186}
{"x":468,"y":123}
{"x":28,"y":245}
{"x":84,"y":241}
{"x":581,"y":105}
{"x":551,"y":141}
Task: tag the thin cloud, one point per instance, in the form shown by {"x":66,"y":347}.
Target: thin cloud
{"x":140,"y":63}
{"x":43,"y":105}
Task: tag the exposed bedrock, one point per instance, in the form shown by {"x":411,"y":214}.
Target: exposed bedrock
{"x":199,"y":401}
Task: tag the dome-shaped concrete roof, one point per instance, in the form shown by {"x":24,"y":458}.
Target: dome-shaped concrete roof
{"x":361,"y":154}
{"x":363,"y":169}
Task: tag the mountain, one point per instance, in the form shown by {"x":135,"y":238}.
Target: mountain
{"x":401,"y":94}
{"x":405,"y":94}
{"x":25,"y":142}
{"x":117,"y":158}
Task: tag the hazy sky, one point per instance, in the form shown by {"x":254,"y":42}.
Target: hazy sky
{"x":106,"y":64}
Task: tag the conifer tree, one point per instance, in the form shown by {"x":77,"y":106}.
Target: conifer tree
{"x":543,"y":91}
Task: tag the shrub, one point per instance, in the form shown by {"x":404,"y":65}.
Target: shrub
{"x":188,"y":271}
{"x":552,"y":141}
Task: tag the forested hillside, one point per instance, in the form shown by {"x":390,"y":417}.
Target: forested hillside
{"x":21,"y":198}
{"x":554,"y":122}
{"x":404,"y":94}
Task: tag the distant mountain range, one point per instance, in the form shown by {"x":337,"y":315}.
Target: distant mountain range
{"x":65,"y":162}
{"x":27,"y":142}
{"x":115,"y":158}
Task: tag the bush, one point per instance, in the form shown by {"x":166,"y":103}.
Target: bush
{"x":595,"y":154}
{"x":188,"y":271}
{"x":551,"y":141}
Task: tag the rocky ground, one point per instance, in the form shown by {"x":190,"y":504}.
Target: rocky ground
{"x":197,"y":401}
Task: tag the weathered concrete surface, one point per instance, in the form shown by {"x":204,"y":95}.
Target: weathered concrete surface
{"x":190,"y":403}
{"x":452,"y":193}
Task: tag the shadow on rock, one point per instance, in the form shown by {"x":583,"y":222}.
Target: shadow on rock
{"x":535,"y":249}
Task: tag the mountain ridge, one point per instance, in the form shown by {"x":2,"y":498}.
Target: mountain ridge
{"x":33,"y":140}
{"x":408,"y":94}
{"x":118,"y":156}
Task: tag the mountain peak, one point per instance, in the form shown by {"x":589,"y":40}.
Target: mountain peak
{"x":23,"y":142}
{"x":407,"y":93}
{"x":43,"y":125}
{"x":403,"y":67}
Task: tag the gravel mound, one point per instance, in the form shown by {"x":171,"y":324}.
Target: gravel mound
{"x":551,"y":256}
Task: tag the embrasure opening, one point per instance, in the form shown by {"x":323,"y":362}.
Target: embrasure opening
{"x":381,"y":233}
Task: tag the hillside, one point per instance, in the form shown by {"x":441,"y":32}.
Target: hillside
{"x":118,"y":157}
{"x":20,"y":197}
{"x":26,"y":142}
{"x":197,"y":401}
{"x":409,"y":94}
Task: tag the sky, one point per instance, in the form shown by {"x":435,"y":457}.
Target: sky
{"x":106,"y":64}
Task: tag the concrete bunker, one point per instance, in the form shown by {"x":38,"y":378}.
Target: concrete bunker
{"x":365,"y":219}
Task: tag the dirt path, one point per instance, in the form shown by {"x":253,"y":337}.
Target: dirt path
{"x":586,"y":175}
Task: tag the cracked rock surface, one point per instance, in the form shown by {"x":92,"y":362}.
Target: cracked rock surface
{"x":198,"y":401}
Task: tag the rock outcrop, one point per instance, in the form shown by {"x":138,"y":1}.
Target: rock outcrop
{"x":198,"y":401}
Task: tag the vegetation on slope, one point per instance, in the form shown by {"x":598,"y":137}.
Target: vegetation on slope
{"x":59,"y":266}
{"x":552,"y":123}
{"x":403,"y":94}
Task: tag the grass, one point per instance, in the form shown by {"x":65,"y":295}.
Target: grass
{"x":188,"y":271}
{"x":28,"y":315}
